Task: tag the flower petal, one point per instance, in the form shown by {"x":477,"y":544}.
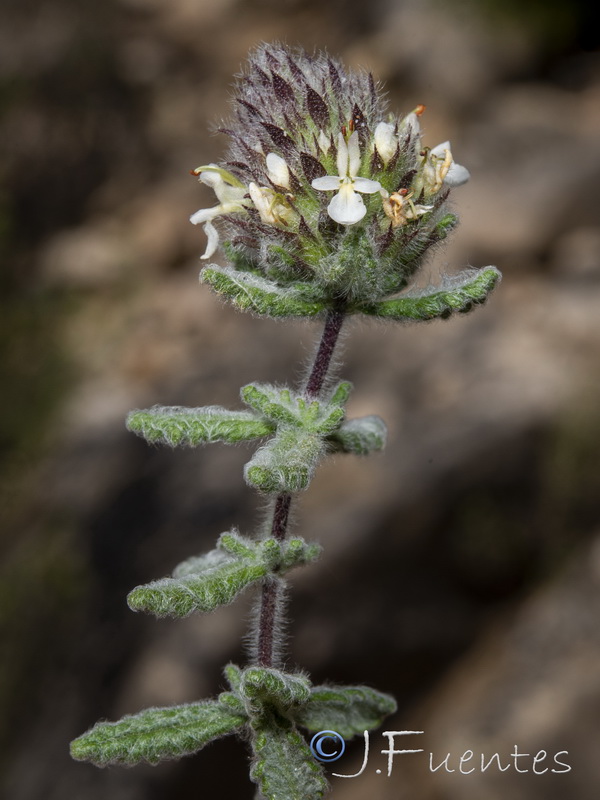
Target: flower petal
{"x":204,"y":214}
{"x":456,"y":175}
{"x":328,"y":183}
{"x":346,"y":207}
{"x":278,"y":170}
{"x":212,"y":238}
{"x":386,"y":141}
{"x":226,"y":190}
{"x":410,"y":125}
{"x":353,"y":155}
{"x":342,"y":156}
{"x":440,"y":149}
{"x":366,"y":186}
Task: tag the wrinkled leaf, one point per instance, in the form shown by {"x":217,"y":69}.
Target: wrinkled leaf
{"x":249,"y":291}
{"x":458,"y":293}
{"x":262,"y":687}
{"x":206,"y":591}
{"x":349,"y":710}
{"x":284,"y":767}
{"x":360,"y":436}
{"x":285,"y":463}
{"x":190,"y":427}
{"x":156,"y":734}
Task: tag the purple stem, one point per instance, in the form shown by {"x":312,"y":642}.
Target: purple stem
{"x":269,"y":601}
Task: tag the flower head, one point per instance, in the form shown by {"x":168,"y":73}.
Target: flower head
{"x":305,"y":127}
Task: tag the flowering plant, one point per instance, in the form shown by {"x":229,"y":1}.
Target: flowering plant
{"x":327,"y":205}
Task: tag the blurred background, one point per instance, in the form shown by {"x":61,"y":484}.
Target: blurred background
{"x":461,"y":569}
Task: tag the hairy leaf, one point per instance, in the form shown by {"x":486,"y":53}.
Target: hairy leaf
{"x":360,"y":436}
{"x":156,"y":734}
{"x":202,"y":583}
{"x":285,"y":463}
{"x":206,"y":591}
{"x":284,"y":767}
{"x":349,"y":710}
{"x":251,"y":292}
{"x":296,"y":551}
{"x":457,"y":294}
{"x":264,"y":687}
{"x":284,"y":407}
{"x":174,"y":425}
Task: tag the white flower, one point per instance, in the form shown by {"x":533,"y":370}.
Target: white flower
{"x":454,"y":174}
{"x":278,"y":171}
{"x":270,"y":205}
{"x":438,"y":167}
{"x":347,"y":207}
{"x":230,"y":193}
{"x":386,"y":141}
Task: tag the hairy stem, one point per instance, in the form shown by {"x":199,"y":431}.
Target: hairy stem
{"x":269,"y":621}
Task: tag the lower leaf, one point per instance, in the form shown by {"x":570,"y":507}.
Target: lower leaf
{"x":349,"y":710}
{"x":284,"y":767}
{"x":155,"y":734}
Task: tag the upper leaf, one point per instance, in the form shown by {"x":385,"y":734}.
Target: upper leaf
{"x":249,"y":291}
{"x":175,"y":425}
{"x":203,"y":583}
{"x":286,"y":463}
{"x":459,"y":293}
{"x":206,"y":591}
{"x":360,"y":436}
{"x":264,"y":688}
{"x":156,"y":734}
{"x":283,"y":407}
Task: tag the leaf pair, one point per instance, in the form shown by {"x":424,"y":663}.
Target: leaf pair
{"x":304,"y":430}
{"x":250,"y":291}
{"x":269,"y":702}
{"x":203,"y":583}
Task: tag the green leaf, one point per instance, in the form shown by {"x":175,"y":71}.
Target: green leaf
{"x":174,"y":425}
{"x":284,"y":767}
{"x":156,"y":734}
{"x":296,"y":551}
{"x":203,"y":583}
{"x":283,"y":407}
{"x":274,"y":403}
{"x":195,"y":565}
{"x":249,"y":291}
{"x":233,"y":675}
{"x":205,"y":591}
{"x":349,"y":710}
{"x":263,"y":688}
{"x":457,"y":293}
{"x":360,"y":436}
{"x":285,"y":463}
